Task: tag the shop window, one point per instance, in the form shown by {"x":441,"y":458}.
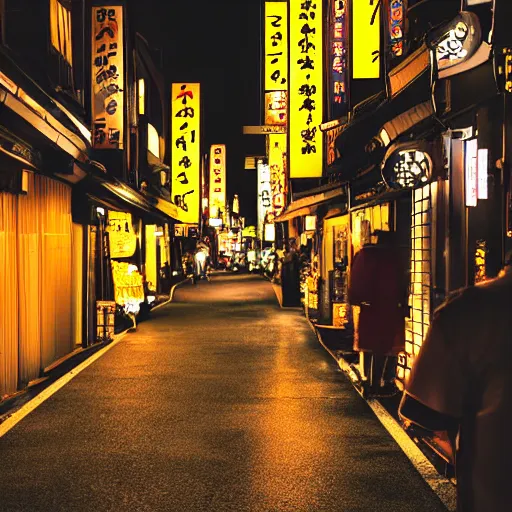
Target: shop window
{"x":365,"y":222}
{"x":420,"y":280}
{"x":60,"y":30}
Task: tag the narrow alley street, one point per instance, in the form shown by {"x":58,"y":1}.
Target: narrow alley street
{"x":223,"y":401}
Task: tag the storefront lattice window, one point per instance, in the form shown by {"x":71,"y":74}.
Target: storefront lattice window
{"x":420,"y":280}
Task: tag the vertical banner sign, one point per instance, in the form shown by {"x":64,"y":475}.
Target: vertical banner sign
{"x":278,"y":182}
{"x":107,"y":77}
{"x":276,"y":46}
{"x":186,"y":153}
{"x":396,"y":27}
{"x":306,"y":89}
{"x":339,"y":58}
{"x":217,"y":180}
{"x":366,"y":38}
{"x":264,"y":195}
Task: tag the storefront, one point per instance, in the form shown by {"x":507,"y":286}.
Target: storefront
{"x":41,"y":292}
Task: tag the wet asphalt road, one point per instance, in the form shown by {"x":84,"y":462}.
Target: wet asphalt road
{"x":222,"y":402}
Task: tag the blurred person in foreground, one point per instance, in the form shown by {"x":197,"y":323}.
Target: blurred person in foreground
{"x":461,"y":383}
{"x":378,"y":286}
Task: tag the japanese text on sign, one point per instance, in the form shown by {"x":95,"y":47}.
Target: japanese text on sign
{"x":366,"y":38}
{"x":186,"y":155}
{"x":217,"y":180}
{"x":276,"y":46}
{"x":107,"y":77}
{"x":306,"y":88}
{"x":278,"y":181}
{"x":339,"y":58}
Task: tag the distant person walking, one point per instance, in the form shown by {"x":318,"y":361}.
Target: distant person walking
{"x":461,"y":383}
{"x":290,"y":276}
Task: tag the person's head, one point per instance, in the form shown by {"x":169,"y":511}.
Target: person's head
{"x":293,"y":243}
{"x":385,"y":237}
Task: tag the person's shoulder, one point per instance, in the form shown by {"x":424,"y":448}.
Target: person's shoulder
{"x":470,"y":302}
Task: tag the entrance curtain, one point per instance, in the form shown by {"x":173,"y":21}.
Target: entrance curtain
{"x":57,"y":337}
{"x":29,"y":282}
{"x":8,"y":296}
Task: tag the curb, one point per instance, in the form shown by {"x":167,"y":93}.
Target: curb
{"x":441,"y":486}
{"x":13,"y":416}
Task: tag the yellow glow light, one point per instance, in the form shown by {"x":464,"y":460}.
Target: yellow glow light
{"x":142,"y":96}
{"x":153,"y":141}
{"x":366,"y":39}
{"x":306,"y":89}
{"x":186,"y":144}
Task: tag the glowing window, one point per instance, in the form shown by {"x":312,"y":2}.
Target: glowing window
{"x":60,"y":30}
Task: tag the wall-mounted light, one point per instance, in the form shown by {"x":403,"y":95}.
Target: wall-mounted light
{"x":310,"y":223}
{"x":142,"y":96}
{"x":24,"y":181}
{"x":100,"y":210}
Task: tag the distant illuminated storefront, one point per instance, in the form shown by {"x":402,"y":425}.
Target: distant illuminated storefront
{"x":127,"y":279}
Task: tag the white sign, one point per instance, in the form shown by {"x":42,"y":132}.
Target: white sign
{"x":471,"y":172}
{"x":270,"y":232}
{"x":264,"y":194}
{"x":483,"y":172}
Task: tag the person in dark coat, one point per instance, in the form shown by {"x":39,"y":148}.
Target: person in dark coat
{"x":290,"y":276}
{"x":378,"y":286}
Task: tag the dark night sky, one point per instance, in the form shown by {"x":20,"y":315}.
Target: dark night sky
{"x":219,"y":46}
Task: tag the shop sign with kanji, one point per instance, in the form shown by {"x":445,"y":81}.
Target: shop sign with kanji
{"x":306,"y":88}
{"x":107,"y":77}
{"x":276,"y":46}
{"x":185,"y":149}
{"x":217,"y":180}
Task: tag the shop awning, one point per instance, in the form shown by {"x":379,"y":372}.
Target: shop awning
{"x":308,"y":205}
{"x":170,"y":209}
{"x":379,"y":121}
{"x":108,"y":191}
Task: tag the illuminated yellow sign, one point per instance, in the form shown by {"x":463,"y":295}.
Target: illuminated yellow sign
{"x":276,"y":46}
{"x":306,"y":89}
{"x":365,"y":39}
{"x":107,"y":77}
{"x":278,"y":182}
{"x":128,"y":286}
{"x":217,"y":179}
{"x":121,"y":237}
{"x":186,"y":154}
